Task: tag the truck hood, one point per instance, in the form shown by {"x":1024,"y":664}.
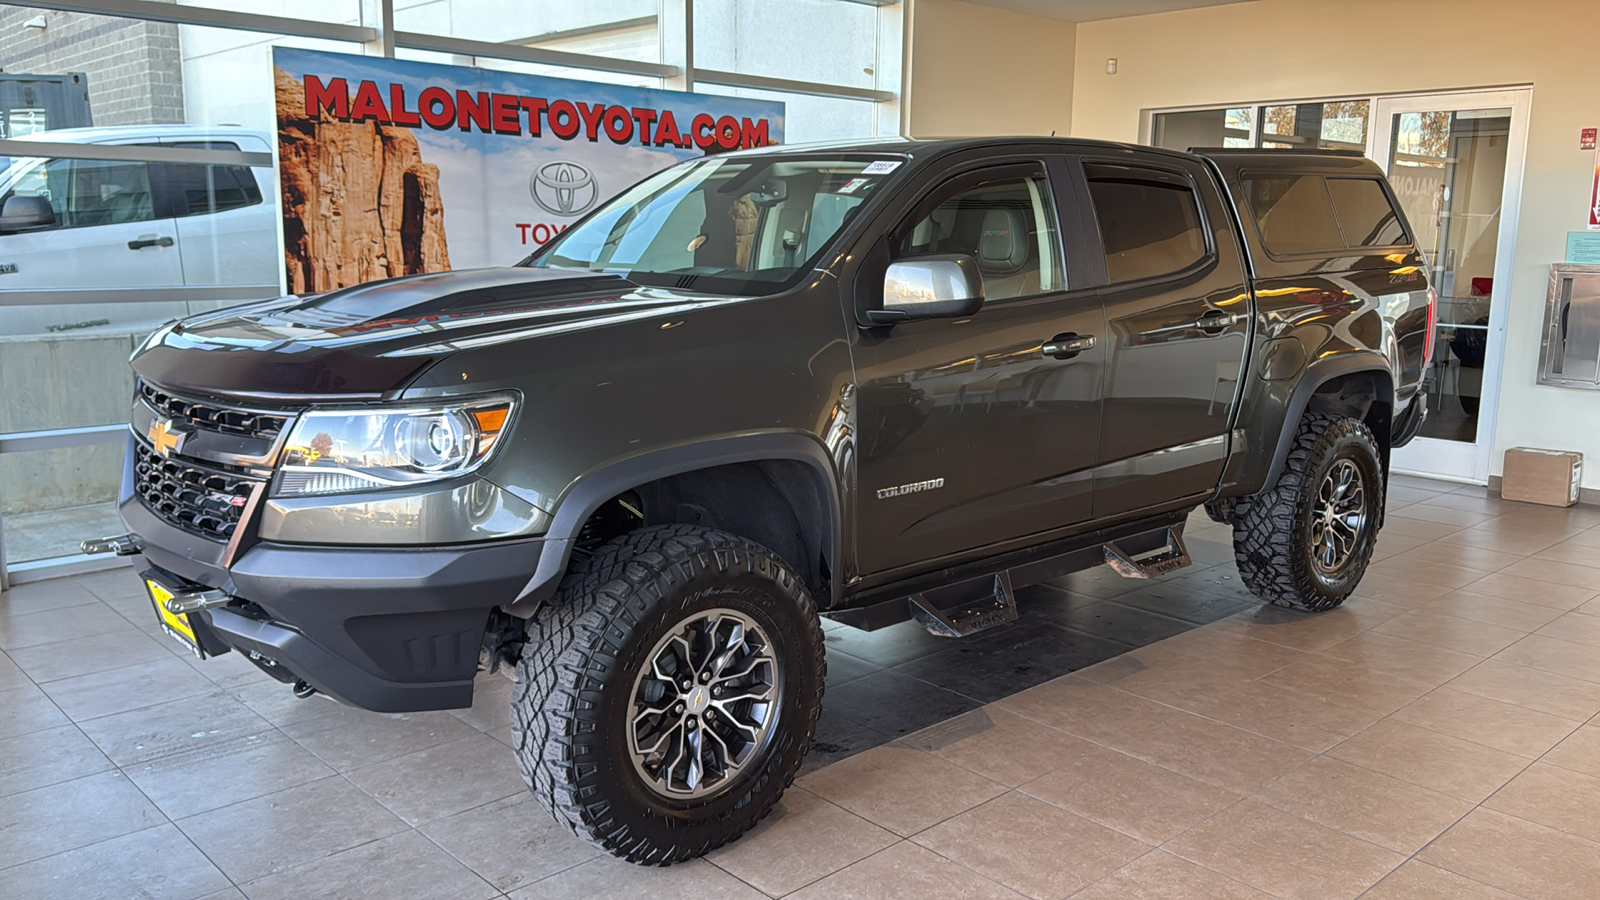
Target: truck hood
{"x":372,"y":339}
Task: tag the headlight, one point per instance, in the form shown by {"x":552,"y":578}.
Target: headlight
{"x":335,"y":451}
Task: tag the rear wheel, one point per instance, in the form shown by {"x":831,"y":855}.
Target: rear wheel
{"x":1306,"y":542}
{"x":666,"y":697}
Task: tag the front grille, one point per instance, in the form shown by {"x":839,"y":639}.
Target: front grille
{"x":213,"y":416}
{"x":201,"y":499}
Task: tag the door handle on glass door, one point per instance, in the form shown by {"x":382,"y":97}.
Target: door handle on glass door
{"x":149,"y":240}
{"x":1066,"y":346}
{"x":1215,"y":320}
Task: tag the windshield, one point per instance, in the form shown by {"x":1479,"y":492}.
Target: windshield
{"x":730,"y":226}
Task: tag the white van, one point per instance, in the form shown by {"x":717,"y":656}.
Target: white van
{"x":69,"y":224}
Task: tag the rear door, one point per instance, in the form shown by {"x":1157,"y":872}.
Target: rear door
{"x":971,"y":435}
{"x":226,"y":226}
{"x":1178,"y":316}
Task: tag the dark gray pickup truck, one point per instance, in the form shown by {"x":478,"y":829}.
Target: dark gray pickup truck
{"x":874,"y":383}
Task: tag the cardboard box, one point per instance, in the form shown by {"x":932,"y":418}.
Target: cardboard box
{"x":1551,"y":477}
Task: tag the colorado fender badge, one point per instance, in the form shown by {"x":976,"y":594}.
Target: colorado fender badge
{"x":914,"y":487}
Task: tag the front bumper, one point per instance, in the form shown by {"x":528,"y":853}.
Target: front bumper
{"x":384,"y":628}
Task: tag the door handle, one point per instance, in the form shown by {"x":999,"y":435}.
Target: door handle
{"x":1215,"y":320}
{"x":1066,"y":346}
{"x":150,"y":241}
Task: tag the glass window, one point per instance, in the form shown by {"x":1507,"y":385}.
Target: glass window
{"x":1149,"y":221}
{"x":1338,"y":125}
{"x":1367,"y":217}
{"x":194,"y":190}
{"x":1007,"y":226}
{"x":746,"y":225}
{"x":1292,"y":213}
{"x":107,"y":193}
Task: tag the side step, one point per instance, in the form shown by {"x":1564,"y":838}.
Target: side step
{"x":968,"y":618}
{"x":1169,"y":558}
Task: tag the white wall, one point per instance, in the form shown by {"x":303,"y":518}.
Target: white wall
{"x":978,"y":70}
{"x":1289,"y":49}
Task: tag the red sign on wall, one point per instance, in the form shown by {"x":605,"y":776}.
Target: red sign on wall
{"x":1586,"y":138}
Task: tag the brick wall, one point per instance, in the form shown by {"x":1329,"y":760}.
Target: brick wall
{"x":135,"y":68}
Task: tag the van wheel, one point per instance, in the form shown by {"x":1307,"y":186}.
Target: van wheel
{"x":667,"y":695}
{"x":1306,"y":542}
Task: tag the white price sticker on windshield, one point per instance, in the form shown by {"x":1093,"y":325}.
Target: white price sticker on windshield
{"x":854,"y":184}
{"x":881,"y":167}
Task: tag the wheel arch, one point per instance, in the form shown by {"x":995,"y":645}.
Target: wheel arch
{"x":802,"y":520}
{"x":1358,"y":385}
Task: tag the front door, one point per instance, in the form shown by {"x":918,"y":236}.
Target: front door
{"x":970,"y":433}
{"x":1455,"y":163}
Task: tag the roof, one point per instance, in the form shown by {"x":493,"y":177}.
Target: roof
{"x":922,"y":149}
{"x":113,"y":133}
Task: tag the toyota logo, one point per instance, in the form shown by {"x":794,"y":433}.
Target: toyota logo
{"x":564,"y":188}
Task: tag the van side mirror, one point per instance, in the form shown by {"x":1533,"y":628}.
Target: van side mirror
{"x":26,"y":213}
{"x":934,"y":286}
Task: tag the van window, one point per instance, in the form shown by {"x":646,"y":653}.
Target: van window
{"x":1149,"y":221}
{"x":1365,"y":213}
{"x":1293,"y":213}
{"x":1008,"y":226}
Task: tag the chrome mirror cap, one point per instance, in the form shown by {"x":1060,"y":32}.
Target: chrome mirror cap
{"x":929,"y":287}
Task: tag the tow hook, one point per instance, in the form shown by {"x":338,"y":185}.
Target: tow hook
{"x":303,"y":690}
{"x":121,"y":545}
{"x":194,"y":601}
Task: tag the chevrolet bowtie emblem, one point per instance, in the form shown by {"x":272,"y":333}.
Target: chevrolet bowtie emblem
{"x":167,"y":440}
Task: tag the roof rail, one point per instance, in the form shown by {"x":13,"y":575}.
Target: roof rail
{"x":1206,"y":151}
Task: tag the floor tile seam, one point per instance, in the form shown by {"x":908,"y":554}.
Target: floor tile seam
{"x":912,"y":838}
{"x":1020,"y":790}
{"x":49,"y":856}
{"x":897,"y":839}
{"x":242,"y":885}
{"x":1284,"y":744}
{"x":1587,"y":647}
{"x":164,"y":699}
{"x":1526,"y":667}
{"x":597,"y":854}
{"x":1575,"y":726}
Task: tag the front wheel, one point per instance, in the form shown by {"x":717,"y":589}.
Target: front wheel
{"x":1306,"y":542}
{"x":666,"y":697}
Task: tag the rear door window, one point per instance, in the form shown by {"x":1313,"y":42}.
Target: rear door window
{"x":1293,"y":213}
{"x":1366,"y":215}
{"x":194,"y":190}
{"x":1150,"y":221}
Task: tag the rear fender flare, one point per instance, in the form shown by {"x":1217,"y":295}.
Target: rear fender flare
{"x":1313,"y":379}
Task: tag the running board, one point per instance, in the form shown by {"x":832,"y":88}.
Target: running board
{"x":1168,"y":558}
{"x":963,"y":620}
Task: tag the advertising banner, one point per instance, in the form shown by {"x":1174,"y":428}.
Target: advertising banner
{"x":390,"y":167}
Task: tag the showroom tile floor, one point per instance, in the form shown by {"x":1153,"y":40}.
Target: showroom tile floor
{"x":1436,"y":737}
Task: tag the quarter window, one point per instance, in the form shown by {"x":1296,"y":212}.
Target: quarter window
{"x":1150,"y":221}
{"x":1008,"y":226}
{"x":1292,"y":213}
{"x":1365,"y":213}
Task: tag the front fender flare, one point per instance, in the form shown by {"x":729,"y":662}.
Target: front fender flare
{"x":592,"y":489}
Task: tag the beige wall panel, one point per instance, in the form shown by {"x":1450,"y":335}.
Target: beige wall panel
{"x":978,"y":70}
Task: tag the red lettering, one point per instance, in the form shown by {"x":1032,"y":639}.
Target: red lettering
{"x":522,"y":228}
{"x":644,"y":117}
{"x":397,"y":108}
{"x":754,"y":134}
{"x":619,"y":125}
{"x":507,"y":119}
{"x":535,"y":107}
{"x":368,"y":104}
{"x":591,"y":119}
{"x":472,"y":111}
{"x":333,"y":98}
{"x":667,"y":130}
{"x":437,"y":108}
{"x":702,"y":126}
{"x":728,"y":132}
{"x":541,"y":234}
{"x":563,"y":120}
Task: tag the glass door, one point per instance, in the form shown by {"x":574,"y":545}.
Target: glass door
{"x":1455,"y":162}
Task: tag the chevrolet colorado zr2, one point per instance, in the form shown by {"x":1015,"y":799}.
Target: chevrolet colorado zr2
{"x":872,"y":382}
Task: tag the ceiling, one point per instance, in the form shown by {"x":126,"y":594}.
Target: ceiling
{"x":1091,"y":10}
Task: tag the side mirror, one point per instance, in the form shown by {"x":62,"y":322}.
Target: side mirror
{"x":935,"y":286}
{"x":26,"y":213}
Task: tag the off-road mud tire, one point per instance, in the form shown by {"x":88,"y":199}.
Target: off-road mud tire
{"x":1272,"y":541}
{"x":577,"y":672}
